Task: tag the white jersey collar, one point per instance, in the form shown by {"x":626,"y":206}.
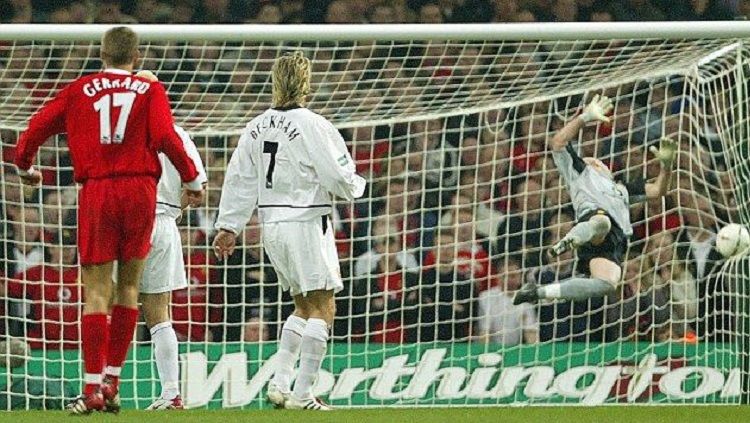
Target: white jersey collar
{"x":117,"y":71}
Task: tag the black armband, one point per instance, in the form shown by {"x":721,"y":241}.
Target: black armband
{"x":578,"y":164}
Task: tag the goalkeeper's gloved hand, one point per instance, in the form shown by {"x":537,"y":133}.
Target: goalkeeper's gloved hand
{"x":666,"y":152}
{"x":597,"y":109}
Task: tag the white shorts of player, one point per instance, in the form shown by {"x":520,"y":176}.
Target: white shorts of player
{"x":305,"y":258}
{"x":165,"y":267}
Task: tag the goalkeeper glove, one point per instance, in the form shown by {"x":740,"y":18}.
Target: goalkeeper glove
{"x":597,"y":109}
{"x":666,"y":152}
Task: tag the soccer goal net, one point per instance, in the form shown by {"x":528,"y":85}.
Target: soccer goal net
{"x":449,"y":125}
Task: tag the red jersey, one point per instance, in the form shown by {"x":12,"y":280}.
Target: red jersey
{"x":116,"y":124}
{"x":57,"y":304}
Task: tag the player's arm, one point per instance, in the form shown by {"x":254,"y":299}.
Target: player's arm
{"x":239,"y":198}
{"x":666,"y":154}
{"x":332,"y":161}
{"x":596,"y":111}
{"x":162,"y":132}
{"x":567,"y":160}
{"x":48,"y":121}
{"x":192,"y":152}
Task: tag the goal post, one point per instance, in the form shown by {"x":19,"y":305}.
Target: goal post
{"x":448,"y":123}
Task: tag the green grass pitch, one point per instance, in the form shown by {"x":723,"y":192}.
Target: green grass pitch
{"x":615,"y":414}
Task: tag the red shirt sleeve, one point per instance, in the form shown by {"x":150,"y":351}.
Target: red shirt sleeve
{"x":48,"y":121}
{"x":164,"y":137}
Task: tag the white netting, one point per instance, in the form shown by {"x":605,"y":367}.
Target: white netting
{"x":217,"y":87}
{"x":463,"y":202}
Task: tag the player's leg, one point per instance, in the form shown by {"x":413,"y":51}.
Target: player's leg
{"x":599,"y":258}
{"x":133,"y":203}
{"x":164,"y":273}
{"x":322,"y":308}
{"x":95,"y":238}
{"x":605,"y":275}
{"x":98,"y":290}
{"x":122,"y":324}
{"x":304,"y":255}
{"x":155,"y":309}
{"x":279,"y":240}
{"x":286,"y":358}
{"x":592,"y":230}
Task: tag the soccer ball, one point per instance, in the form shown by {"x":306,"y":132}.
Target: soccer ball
{"x":732,"y":239}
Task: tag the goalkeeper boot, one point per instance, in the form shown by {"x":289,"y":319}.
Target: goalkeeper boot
{"x":276,"y":396}
{"x":526,"y":294}
{"x":167,"y":404}
{"x":307,"y":404}
{"x":111,"y":393}
{"x":86,"y":404}
{"x":561,"y":247}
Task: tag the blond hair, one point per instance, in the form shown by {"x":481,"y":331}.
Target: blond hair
{"x":291,"y":80}
{"x":119,"y":46}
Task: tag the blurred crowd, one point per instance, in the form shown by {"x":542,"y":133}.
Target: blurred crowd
{"x":459,"y":210}
{"x":365,"y":11}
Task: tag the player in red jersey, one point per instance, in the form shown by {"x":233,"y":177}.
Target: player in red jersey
{"x":116,"y":124}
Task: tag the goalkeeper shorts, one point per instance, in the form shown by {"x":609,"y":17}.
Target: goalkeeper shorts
{"x":613,"y":247}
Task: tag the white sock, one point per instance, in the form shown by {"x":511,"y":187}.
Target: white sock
{"x":312,"y":351}
{"x":288,"y":353}
{"x":551,"y":291}
{"x":165,"y":351}
{"x":112,"y":371}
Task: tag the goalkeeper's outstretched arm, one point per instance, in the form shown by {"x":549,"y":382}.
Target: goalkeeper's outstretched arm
{"x":596,"y":111}
{"x":666,"y":154}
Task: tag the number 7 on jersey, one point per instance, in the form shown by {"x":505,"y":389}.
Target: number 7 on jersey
{"x":270,"y":148}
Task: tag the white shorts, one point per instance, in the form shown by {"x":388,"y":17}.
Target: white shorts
{"x":165,"y":267}
{"x":304,"y":257}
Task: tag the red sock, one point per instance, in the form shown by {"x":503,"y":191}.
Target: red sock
{"x":121,"y":329}
{"x":94,"y":350}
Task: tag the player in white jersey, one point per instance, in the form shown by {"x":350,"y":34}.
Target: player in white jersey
{"x":164,"y":271}
{"x":602,"y":208}
{"x":290,"y":163}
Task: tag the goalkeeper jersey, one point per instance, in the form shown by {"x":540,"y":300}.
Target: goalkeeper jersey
{"x":591,"y":190}
{"x":289,"y":163}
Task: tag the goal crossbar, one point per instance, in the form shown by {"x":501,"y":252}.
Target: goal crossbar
{"x":390,"y":32}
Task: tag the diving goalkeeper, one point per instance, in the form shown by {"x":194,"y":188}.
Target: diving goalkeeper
{"x":602,"y":210}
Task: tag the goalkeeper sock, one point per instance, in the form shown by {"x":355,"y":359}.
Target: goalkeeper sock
{"x":121,"y":330}
{"x":164,"y":340}
{"x":288,"y":353}
{"x":584,"y":232}
{"x":576,"y":289}
{"x":94,"y":350}
{"x":312,"y":351}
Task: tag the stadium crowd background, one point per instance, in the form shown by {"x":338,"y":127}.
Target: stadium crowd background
{"x":365,"y":11}
{"x":419,"y":266}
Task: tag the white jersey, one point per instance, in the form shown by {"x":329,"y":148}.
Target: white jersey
{"x":169,"y":189}
{"x":288,"y":164}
